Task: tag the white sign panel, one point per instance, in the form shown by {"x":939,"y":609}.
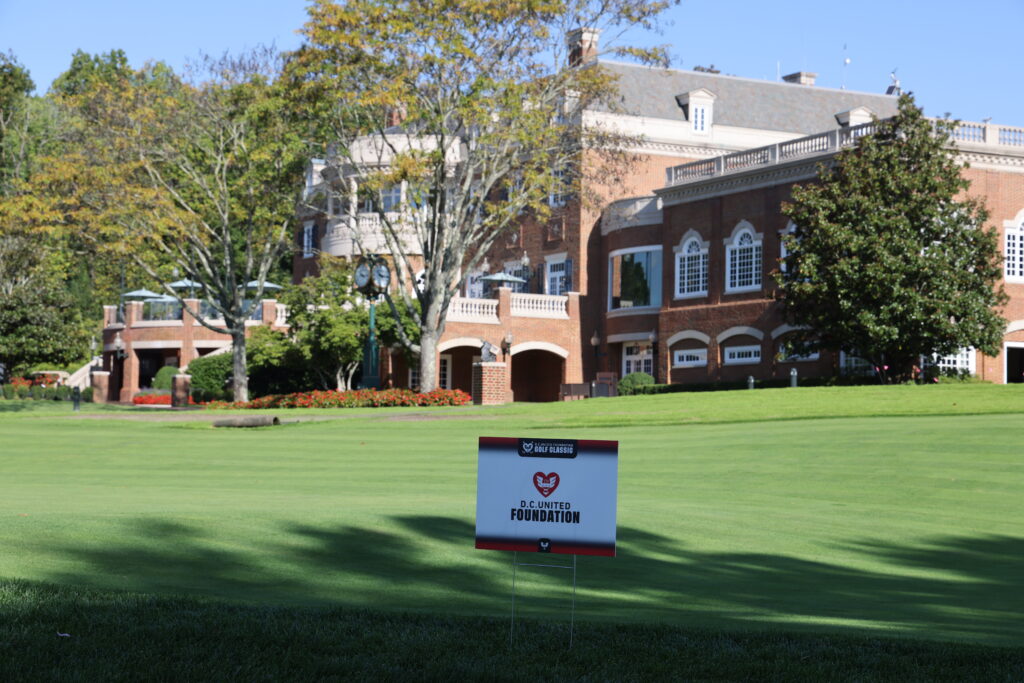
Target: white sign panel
{"x":547,"y":495}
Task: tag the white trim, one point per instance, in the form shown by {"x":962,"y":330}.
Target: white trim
{"x":556,"y":258}
{"x":1006,"y":356}
{"x":786,"y":329}
{"x":539,"y":346}
{"x":629,"y":337}
{"x":741,"y":349}
{"x":634,"y":250}
{"x":701,"y":362}
{"x":308,"y":238}
{"x":475,"y":342}
{"x":635,"y":310}
{"x":1015,"y":326}
{"x":157,"y":344}
{"x":211,"y":343}
{"x":688,"y":334}
{"x":738,"y":330}
{"x":1017,"y":220}
{"x":757,"y":243}
{"x":157,"y":323}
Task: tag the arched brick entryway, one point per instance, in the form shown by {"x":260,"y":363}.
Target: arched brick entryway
{"x":537,"y":375}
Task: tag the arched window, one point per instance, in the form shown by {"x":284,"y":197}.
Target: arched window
{"x":743,"y":262}
{"x":692,"y":269}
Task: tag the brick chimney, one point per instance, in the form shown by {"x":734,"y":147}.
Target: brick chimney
{"x":582,"y":44}
{"x":801,"y":78}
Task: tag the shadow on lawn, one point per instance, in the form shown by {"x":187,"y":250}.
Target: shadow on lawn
{"x":947,"y":588}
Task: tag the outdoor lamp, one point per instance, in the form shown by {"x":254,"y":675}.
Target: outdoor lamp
{"x":119,"y":346}
{"x":526,"y":259}
{"x":595,"y":339}
{"x":506,"y":344}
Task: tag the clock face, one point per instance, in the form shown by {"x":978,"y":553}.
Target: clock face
{"x":381,"y":276}
{"x":362,"y":275}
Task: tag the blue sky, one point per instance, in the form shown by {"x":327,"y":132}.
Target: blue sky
{"x":957,"y":57}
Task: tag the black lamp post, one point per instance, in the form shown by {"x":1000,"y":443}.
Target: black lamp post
{"x":595,"y":341}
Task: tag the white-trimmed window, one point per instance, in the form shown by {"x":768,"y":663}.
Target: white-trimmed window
{"x":1014,"y":261}
{"x":637,"y":357}
{"x":558,"y":272}
{"x":444,"y":371}
{"x":690,"y":358}
{"x":741,"y":355}
{"x":850,"y":365}
{"x":634,"y":278}
{"x":692,"y":269}
{"x":308,"y":230}
{"x":788,"y":355}
{"x":475,"y":285}
{"x":783,"y":252}
{"x":700,"y":118}
{"x":517,"y":269}
{"x":743,"y":262}
{"x":960,"y":362}
{"x":414,"y":378}
{"x":391,"y":198}
{"x":559,"y":194}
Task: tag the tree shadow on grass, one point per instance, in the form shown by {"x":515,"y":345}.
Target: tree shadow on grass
{"x":949,"y":588}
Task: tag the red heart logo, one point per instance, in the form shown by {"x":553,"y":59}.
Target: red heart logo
{"x":545,"y":483}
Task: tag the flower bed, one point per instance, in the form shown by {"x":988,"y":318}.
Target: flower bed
{"x":359,"y":398}
{"x":156,"y":400}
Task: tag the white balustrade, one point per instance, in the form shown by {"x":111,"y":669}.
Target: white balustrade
{"x":540,"y":306}
{"x":281,"y":315}
{"x":1010,"y":136}
{"x":466,"y":310}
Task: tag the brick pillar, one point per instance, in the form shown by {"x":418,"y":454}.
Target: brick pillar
{"x":181,"y":385}
{"x":504,"y":303}
{"x":100,"y":380}
{"x":269,"y":311}
{"x":490,"y":384}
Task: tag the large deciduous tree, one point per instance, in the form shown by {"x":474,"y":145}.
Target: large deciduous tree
{"x":890,"y":259}
{"x":202,"y":173}
{"x":472,"y":107}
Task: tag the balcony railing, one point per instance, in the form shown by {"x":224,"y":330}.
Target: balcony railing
{"x":161,"y":310}
{"x":463,"y":310}
{"x":825,"y":143}
{"x":540,"y":306}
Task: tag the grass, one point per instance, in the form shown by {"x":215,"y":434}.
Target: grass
{"x":853,"y":525}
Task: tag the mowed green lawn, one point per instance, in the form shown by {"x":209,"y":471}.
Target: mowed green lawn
{"x":893,"y":512}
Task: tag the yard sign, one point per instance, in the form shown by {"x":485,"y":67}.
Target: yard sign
{"x":547,"y":495}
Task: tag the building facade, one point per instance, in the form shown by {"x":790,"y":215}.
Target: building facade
{"x":670,"y":273}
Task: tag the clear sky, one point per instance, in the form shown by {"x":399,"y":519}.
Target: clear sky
{"x":957,"y":57}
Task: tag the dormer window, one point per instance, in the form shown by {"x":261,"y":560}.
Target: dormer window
{"x":697,"y":106}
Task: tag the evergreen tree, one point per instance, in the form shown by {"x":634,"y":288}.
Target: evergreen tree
{"x":891,"y":259}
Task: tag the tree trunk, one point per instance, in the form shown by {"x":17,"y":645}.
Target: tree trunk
{"x":349,"y":374}
{"x":428,"y":360}
{"x":239,"y":379}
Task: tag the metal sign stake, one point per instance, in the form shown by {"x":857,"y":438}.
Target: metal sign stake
{"x":572,"y":611}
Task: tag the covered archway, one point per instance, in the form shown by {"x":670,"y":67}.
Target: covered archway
{"x":538,"y":371}
{"x":455,"y":363}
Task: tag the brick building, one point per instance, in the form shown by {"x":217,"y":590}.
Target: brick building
{"x":715,"y":156}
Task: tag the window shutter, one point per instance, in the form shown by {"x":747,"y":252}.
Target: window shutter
{"x":298,"y":236}
{"x":316,"y":237}
{"x":568,"y":275}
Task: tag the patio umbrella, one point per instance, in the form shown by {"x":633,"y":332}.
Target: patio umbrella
{"x":186,"y":284}
{"x":503,"y":277}
{"x":253,"y":284}
{"x":161,"y":299}
{"x":140,"y":293}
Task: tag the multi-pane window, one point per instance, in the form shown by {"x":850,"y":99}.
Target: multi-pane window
{"x":517,"y":269}
{"x":690,"y":358}
{"x":556,"y":277}
{"x":444,"y":372}
{"x":961,"y":362}
{"x":1014,"y":262}
{"x":742,"y":355}
{"x":559,"y":194}
{"x":414,"y":378}
{"x":743,"y":263}
{"x":307,"y":239}
{"x":850,"y":365}
{"x":699,"y":117}
{"x":637,"y":358}
{"x":692,"y":270}
{"x":475,"y":285}
{"x":634,"y":278}
{"x":788,"y":354}
{"x":390,"y":198}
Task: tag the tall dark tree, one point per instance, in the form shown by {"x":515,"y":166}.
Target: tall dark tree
{"x":891,"y":259}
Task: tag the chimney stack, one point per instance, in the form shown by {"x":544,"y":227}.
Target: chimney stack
{"x":582,"y":45}
{"x":801,"y":78}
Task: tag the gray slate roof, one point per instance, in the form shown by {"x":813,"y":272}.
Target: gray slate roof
{"x":743,"y":102}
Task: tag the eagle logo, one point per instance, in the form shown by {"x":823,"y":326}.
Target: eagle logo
{"x":545,"y":483}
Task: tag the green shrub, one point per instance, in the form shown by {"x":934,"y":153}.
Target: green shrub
{"x":36,"y":393}
{"x":64,"y":393}
{"x":210,"y":377}
{"x":87,"y":394}
{"x":49,"y":393}
{"x":630,"y":384}
{"x":12,"y":391}
{"x":164,"y":377}
{"x":3,"y":391}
